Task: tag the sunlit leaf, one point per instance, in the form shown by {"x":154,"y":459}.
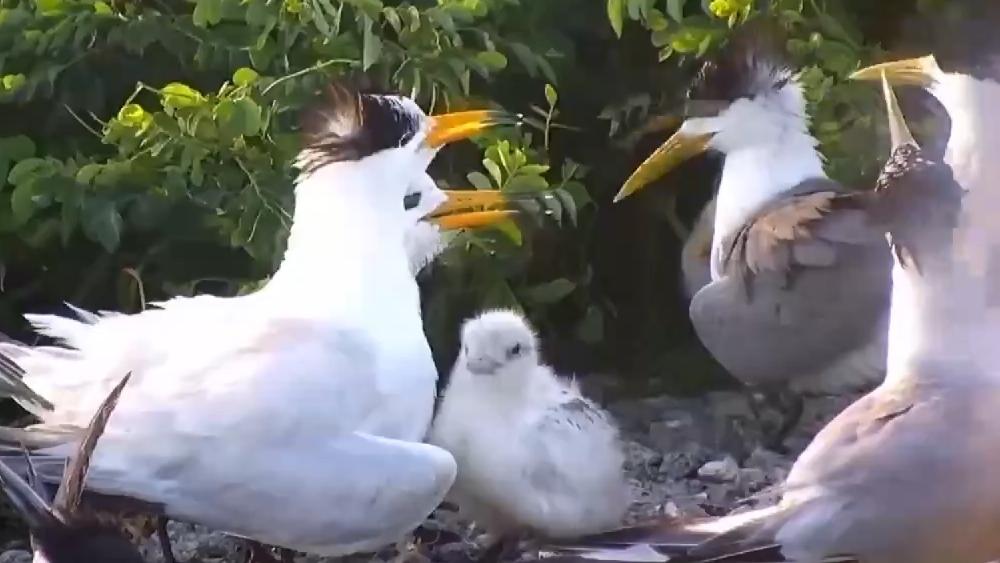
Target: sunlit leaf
{"x":616,"y":15}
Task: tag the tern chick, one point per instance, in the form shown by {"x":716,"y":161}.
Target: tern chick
{"x":534,"y":455}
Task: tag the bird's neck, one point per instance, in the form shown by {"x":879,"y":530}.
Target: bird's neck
{"x":950,"y":313}
{"x":973,"y":156}
{"x":345,"y":248}
{"x":753,"y":176}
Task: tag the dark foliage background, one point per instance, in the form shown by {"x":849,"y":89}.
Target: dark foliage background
{"x":145,"y":148}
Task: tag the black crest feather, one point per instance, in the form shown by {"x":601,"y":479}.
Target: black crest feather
{"x":918,"y":199}
{"x":751,"y":63}
{"x":345,"y":124}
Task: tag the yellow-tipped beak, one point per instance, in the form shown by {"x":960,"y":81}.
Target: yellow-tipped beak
{"x":450,"y":127}
{"x":899,"y":132}
{"x":466,"y":209}
{"x":922,"y":71}
{"x":678,"y":148}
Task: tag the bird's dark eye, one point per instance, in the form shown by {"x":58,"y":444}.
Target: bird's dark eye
{"x":781,"y":83}
{"x":514,"y":350}
{"x":411,"y":200}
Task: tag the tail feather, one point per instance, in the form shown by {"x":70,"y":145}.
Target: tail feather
{"x":71,"y":489}
{"x":63,"y":329}
{"x":739,"y":538}
{"x":83,"y":314}
{"x":12,"y":385}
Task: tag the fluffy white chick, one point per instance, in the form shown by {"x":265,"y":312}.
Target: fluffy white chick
{"x":534,"y":455}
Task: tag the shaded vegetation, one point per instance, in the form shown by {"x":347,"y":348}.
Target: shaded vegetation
{"x":145,"y":148}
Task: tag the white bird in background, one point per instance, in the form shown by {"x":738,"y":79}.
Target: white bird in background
{"x":798,"y":281}
{"x":534,"y":455}
{"x":293,"y":416}
{"x":696,"y":261}
{"x":897,"y":476}
{"x":969,"y":94}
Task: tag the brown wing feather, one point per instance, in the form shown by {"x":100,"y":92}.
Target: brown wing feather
{"x":71,"y":488}
{"x":800,"y":231}
{"x":805,"y":281}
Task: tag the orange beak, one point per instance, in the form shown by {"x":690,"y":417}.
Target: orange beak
{"x":466,"y":209}
{"x":450,"y":127}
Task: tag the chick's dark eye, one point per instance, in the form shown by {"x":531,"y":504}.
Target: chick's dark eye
{"x":514,"y":350}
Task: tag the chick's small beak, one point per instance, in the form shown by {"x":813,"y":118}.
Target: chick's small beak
{"x":921,"y":71}
{"x":449,"y":127}
{"x":679,"y":147}
{"x":471,"y":208}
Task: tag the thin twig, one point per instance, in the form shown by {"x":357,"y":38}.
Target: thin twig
{"x":304,"y":71}
{"x":80,"y":120}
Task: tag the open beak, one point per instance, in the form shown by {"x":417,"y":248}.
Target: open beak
{"x":450,"y":127}
{"x":466,"y":209}
{"x":899,"y":132}
{"x":922,"y":71}
{"x":679,"y":147}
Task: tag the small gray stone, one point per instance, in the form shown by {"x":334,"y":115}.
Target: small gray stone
{"x":684,"y":461}
{"x":725,"y":470}
{"x":16,"y":556}
{"x":751,"y":480}
{"x":642,"y":462}
{"x":678,"y":429}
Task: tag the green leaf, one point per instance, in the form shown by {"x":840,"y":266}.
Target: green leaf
{"x":500,"y":295}
{"x":675,"y":9}
{"x":49,"y":7}
{"x":591,"y":328}
{"x":549,"y":292}
{"x":133,"y":115}
{"x":510,"y":230}
{"x":479,"y":181}
{"x":494,"y":60}
{"x":207,"y":13}
{"x":245,"y":76}
{"x":392,"y":16}
{"x":28,"y":169}
{"x":87,"y":173}
{"x":372,"y":46}
{"x":551,"y":96}
{"x":494,"y":170}
{"x":178,"y":95}
{"x":533,"y":169}
{"x":237,"y":117}
{"x":616,"y":15}
{"x":25,"y":200}
{"x":102,"y":223}
{"x":568,"y":204}
{"x":102,"y":8}
{"x":13,"y":81}
{"x":17,"y":147}
{"x":258,"y":14}
{"x":525,"y":183}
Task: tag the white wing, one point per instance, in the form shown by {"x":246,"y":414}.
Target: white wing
{"x":256,"y":426}
{"x":572,"y":478}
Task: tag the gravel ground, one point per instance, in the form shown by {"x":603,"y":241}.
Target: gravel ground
{"x":686,"y":457}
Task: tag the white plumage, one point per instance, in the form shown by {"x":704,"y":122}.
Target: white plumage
{"x":533,"y":453}
{"x":293,"y":415}
{"x":423,"y":240}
